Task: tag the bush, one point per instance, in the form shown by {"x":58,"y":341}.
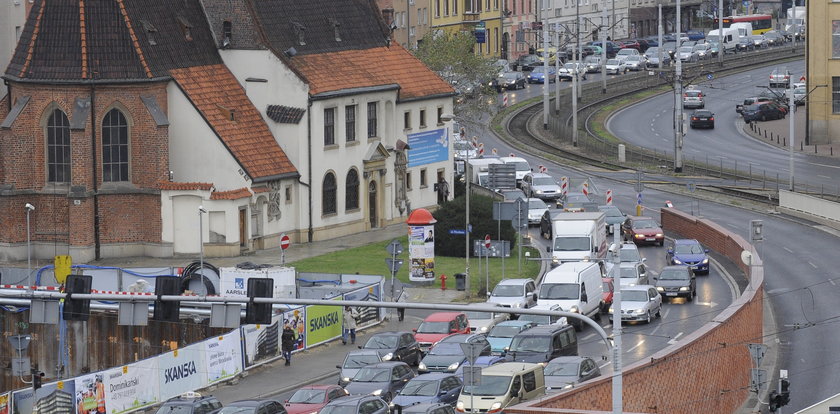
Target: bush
{"x":451,"y":215}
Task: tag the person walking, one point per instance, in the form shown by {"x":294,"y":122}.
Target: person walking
{"x":350,"y":316}
{"x":288,"y":343}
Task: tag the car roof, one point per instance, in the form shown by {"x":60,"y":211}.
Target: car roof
{"x":386,"y":364}
{"x":535,"y":175}
{"x":458,"y":337}
{"x":442,"y":316}
{"x":318,"y":387}
{"x":686,"y":241}
{"x":505,"y":368}
{"x":362,"y":352}
{"x":514,"y":323}
{"x":513,"y":159}
{"x":674,"y":267}
{"x":349,"y":399}
{"x":636,"y":287}
{"x":635,"y":218}
{"x":515,"y":281}
{"x":431,"y":376}
{"x":568,"y":358}
{"x":422,"y":408}
{"x":250,"y":403}
{"x":543,"y":330}
{"x":389,"y":333}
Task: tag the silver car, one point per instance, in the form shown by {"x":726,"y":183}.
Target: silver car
{"x":632,"y":274}
{"x":483,"y":322}
{"x":635,"y":63}
{"x":687,"y":54}
{"x":536,"y":209}
{"x":540,"y":185}
{"x":652,"y":55}
{"x":639,"y":303}
{"x":693,"y":98}
{"x":514,"y":293}
{"x":566,"y":371}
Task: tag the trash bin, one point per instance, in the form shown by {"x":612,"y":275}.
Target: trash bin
{"x":461,"y":281}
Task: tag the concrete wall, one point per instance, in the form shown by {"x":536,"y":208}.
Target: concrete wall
{"x":707,"y":371}
{"x":813,"y":208}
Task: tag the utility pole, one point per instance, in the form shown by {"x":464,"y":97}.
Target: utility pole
{"x":579,"y":44}
{"x":557,"y":71}
{"x":678,"y":121}
{"x":659,"y":33}
{"x":546,"y":54}
{"x":574,"y":109}
{"x":603,"y":35}
{"x":791,"y":132}
{"x":721,"y":50}
{"x":617,"y":379}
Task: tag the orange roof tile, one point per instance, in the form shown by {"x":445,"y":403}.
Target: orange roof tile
{"x":258,"y":190}
{"x":168,"y":185}
{"x":216,"y":93}
{"x":231,"y":194}
{"x":335,"y":71}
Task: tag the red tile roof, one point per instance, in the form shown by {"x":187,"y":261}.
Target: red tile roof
{"x":335,"y":71}
{"x":258,"y":190}
{"x":167,"y":185}
{"x":216,"y":93}
{"x":230,"y":195}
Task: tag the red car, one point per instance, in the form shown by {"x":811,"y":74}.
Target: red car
{"x":642,"y":230}
{"x":439,"y":325}
{"x":607,"y":296}
{"x":633,"y":44}
{"x":312,"y":398}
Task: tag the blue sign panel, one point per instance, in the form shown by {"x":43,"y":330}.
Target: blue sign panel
{"x":457,"y":231}
{"x":428,"y":147}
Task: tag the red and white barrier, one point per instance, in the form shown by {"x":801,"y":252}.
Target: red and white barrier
{"x":609,"y":197}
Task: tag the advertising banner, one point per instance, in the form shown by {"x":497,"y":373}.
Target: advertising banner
{"x":181,"y":370}
{"x":428,"y":147}
{"x":90,"y":394}
{"x":132,"y":386}
{"x":297,"y":320}
{"x":262,"y":342}
{"x":223,"y":356}
{"x":323,"y":323}
{"x":421,"y":253}
{"x":5,"y":403}
{"x":56,"y":397}
{"x":367,"y":315}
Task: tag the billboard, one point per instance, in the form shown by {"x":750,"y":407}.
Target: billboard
{"x":56,"y":397}
{"x":131,"y":387}
{"x":421,"y":253}
{"x":223,"y":356}
{"x":367,"y":315}
{"x":90,"y":394}
{"x":297,"y":320}
{"x":323,"y":323}
{"x":428,"y":147}
{"x":5,"y":403}
{"x":181,"y":370}
{"x":262,"y":342}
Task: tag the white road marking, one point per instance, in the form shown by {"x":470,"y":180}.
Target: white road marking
{"x":787,"y":250}
{"x":824,"y":176}
{"x":823,"y":165}
{"x":604,"y":364}
{"x":667,"y":311}
{"x":674,"y":339}
{"x":813,"y":265}
{"x":636,"y":346}
{"x":832,"y":282}
{"x":709,"y":304}
{"x":591,"y":334}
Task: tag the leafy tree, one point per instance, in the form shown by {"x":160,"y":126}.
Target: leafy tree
{"x":451,"y":215}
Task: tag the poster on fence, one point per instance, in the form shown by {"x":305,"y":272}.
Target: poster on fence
{"x":223,"y":356}
{"x":5,"y":403}
{"x":323,"y":323}
{"x":368,"y":315}
{"x":90,"y":394}
{"x":297,"y":320}
{"x":262,"y":342}
{"x":181,"y":370}
{"x":56,"y":397}
{"x":132,"y":386}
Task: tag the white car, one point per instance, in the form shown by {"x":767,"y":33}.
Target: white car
{"x":536,"y":209}
{"x":514,"y":293}
{"x":623,"y":54}
{"x":520,"y":164}
{"x":615,"y":67}
{"x":545,"y":319}
{"x":632,"y":274}
{"x":635,"y":63}
{"x":570,"y":69}
{"x":639,"y":303}
{"x":483,"y":322}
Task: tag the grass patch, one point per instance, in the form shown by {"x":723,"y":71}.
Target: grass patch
{"x":370,"y":259}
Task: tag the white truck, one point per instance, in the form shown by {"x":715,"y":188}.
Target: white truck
{"x":577,"y":236}
{"x":795,"y":25}
{"x":576,"y":287}
{"x":728,"y":40}
{"x":480,"y":169}
{"x":745,"y":29}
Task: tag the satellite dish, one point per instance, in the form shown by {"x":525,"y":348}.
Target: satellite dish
{"x":746,"y":257}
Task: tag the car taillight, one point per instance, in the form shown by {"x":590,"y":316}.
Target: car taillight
{"x":712,"y":119}
{"x":693,"y":118}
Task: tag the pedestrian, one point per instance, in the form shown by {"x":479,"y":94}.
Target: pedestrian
{"x":442,"y":188}
{"x":288,"y":343}
{"x":350,"y":316}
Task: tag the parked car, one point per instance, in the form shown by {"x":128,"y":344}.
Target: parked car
{"x":630,"y":44}
{"x":739,"y":108}
{"x":780,"y":78}
{"x":635,"y":63}
{"x":538,"y":74}
{"x":514,"y":293}
{"x":447,"y":355}
{"x":633,"y":274}
{"x":483,"y":322}
{"x":762,"y":112}
{"x":702,"y":118}
{"x":526,"y":63}
{"x":695,"y":35}
{"x":607,"y":297}
{"x":501,"y":334}
{"x":440,"y":325}
{"x":677,"y":281}
{"x":256,"y":406}
{"x":436,"y":387}
{"x":354,"y":361}
{"x":540,"y":185}
{"x":428,"y":408}
{"x":744,"y":44}
{"x":689,"y":252}
{"x":612,"y":215}
{"x":510,"y":80}
{"x":536,"y":209}
{"x":311,"y":398}
{"x":566,"y":371}
{"x":395,"y":346}
{"x":615,"y":67}
{"x":383,"y":379}
{"x":652,"y":41}
{"x":642,"y":229}
{"x":356,"y":404}
{"x":639,"y":303}
{"x":612,"y":47}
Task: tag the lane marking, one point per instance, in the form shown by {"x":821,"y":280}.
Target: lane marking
{"x":813,"y":265}
{"x":604,"y":364}
{"x":667,"y":311}
{"x":674,"y":340}
{"x":787,"y":250}
{"x":824,"y":176}
{"x":832,"y":282}
{"x":591,"y":334}
{"x":636,"y":346}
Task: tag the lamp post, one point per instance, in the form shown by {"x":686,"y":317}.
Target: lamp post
{"x":447,"y":118}
{"x":201,"y":212}
{"x":791,"y":131}
{"x":29,"y":209}
{"x":678,"y":108}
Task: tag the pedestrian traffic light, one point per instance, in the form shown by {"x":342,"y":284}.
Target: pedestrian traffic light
{"x":784,"y":397}
{"x":167,"y":311}
{"x":37,"y":377}
{"x":773,"y":401}
{"x":77,"y":309}
{"x":259,"y":312}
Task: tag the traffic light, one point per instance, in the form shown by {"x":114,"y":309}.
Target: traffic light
{"x":37,"y":377}
{"x":784,"y":398}
{"x":773,"y":401}
{"x":167,"y":311}
{"x":77,"y":309}
{"x":259,"y":312}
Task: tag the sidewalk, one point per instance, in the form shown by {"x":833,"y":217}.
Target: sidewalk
{"x":777,"y":133}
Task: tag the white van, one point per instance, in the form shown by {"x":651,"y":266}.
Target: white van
{"x":575,"y":286}
{"x":728,"y":41}
{"x":745,"y":29}
{"x":577,"y":236}
{"x":522,"y":166}
{"x":502,"y":385}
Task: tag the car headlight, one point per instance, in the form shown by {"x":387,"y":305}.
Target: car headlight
{"x":639,"y":311}
{"x":496,"y":405}
{"x":677,"y":261}
{"x":684,"y":289}
{"x":453,"y":366}
{"x":539,"y":191}
{"x":390,"y":404}
{"x":459,"y":406}
{"x":517,"y":305}
{"x":574,"y":309}
{"x":659,"y":235}
{"x":346,"y":379}
{"x":610,"y":310}
{"x":483,"y":329}
{"x":660,"y":288}
{"x":421,"y":367}
{"x":377,"y":392}
{"x":567,"y":386}
{"x":388,"y":356}
{"x":639,"y":236}
{"x":705,"y":261}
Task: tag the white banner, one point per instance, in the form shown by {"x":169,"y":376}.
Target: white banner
{"x":421,"y":253}
{"x":223,"y":357}
{"x":90,"y":394}
{"x":181,"y":371}
{"x":132,"y":386}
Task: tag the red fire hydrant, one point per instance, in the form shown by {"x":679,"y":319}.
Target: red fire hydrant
{"x":442,"y":282}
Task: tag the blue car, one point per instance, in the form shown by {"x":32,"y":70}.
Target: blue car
{"x":538,"y":75}
{"x":436,"y":387}
{"x":501,"y":334}
{"x":689,"y":252}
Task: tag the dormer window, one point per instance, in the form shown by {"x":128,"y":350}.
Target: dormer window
{"x":151,"y":32}
{"x":335,"y":24}
{"x":186,"y":28}
{"x":300,"y":31}
{"x":227,"y":33}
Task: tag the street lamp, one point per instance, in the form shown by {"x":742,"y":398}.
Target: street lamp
{"x":29,"y":209}
{"x":447,"y":118}
{"x":201,"y":212}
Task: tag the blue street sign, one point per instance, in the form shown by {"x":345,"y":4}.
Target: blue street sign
{"x":639,"y":198}
{"x":457,"y":232}
{"x":710,"y":76}
{"x":470,"y":228}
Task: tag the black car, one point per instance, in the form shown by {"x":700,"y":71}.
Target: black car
{"x":762,"y":112}
{"x":356,"y":404}
{"x":744,"y":45}
{"x":510,"y":80}
{"x":525,"y":63}
{"x":260,"y":406}
{"x":395,"y":346}
{"x":384,"y":379}
{"x":447,"y":355}
{"x":702,"y":119}
{"x":677,"y":281}
{"x":191,"y":402}
{"x":427,"y":408}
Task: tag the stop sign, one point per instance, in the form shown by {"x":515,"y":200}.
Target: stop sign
{"x":285,"y":242}
{"x":487,"y":241}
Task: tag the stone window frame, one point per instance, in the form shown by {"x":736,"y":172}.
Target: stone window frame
{"x":128,"y":126}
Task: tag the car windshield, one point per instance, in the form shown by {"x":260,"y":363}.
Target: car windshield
{"x":464,"y":146}
{"x":629,"y":255}
{"x":511,"y":75}
{"x":521,"y":165}
{"x":633,"y":58}
{"x":447,"y":348}
{"x":799,"y":91}
{"x":645,"y":224}
{"x":354,"y":361}
{"x":688,"y":249}
{"x":612,"y":62}
{"x":508,"y":291}
{"x":559,"y":291}
{"x":504,"y":331}
{"x":238,"y":410}
{"x":476,"y":315}
{"x":369,"y":374}
{"x":420,"y":387}
{"x":544,"y":181}
{"x":570,"y":66}
{"x":307,"y":396}
{"x":704,"y":114}
{"x":537,"y":319}
{"x":530,"y":343}
{"x":700,"y":47}
{"x":607,"y":286}
{"x":338,"y":409}
{"x":382,"y":342}
{"x":561,"y":368}
{"x":433,"y":327}
{"x":634,"y":295}
{"x":539,"y":69}
{"x":610,"y":211}
{"x":652,"y":51}
{"x":571,"y":244}
{"x":673,"y":274}
{"x":629,"y":273}
{"x":536,"y":204}
{"x":692,"y":94}
{"x":623,"y":52}
{"x":712,"y":38}
{"x":685,"y":49}
{"x":490,"y":385}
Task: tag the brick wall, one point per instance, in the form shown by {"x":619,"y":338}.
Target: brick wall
{"x":707,"y":371}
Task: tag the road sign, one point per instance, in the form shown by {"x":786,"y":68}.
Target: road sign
{"x":285,"y":242}
{"x":472,"y":376}
{"x":757,"y":352}
{"x":22,"y":366}
{"x":487,"y":241}
{"x":710,"y":76}
{"x":802,"y":78}
{"x":639,"y":199}
{"x":609,"y":197}
{"x":457,"y":232}
{"x":394,"y":247}
{"x":394,"y":265}
{"x":472,"y":350}
{"x":639,"y":186}
{"x":757,"y":378}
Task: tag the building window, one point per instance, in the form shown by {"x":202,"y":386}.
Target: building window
{"x":422,"y":118}
{"x":835,"y":94}
{"x":227,"y":33}
{"x":350,"y":122}
{"x":288,"y":194}
{"x":440,"y":115}
{"x":351,"y":194}
{"x":329,"y":126}
{"x":408,"y":180}
{"x":455,"y":7}
{"x":437,"y":8}
{"x":835,"y":38}
{"x":407,"y":120}
{"x":371,"y":118}
{"x":58,"y":147}
{"x":328,"y":195}
{"x":114,"y":147}
{"x":423,"y":182}
{"x":446,"y":7}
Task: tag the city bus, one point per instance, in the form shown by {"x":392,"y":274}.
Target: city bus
{"x":761,"y":23}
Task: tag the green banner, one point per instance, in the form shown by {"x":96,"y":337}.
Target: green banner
{"x":322,"y":323}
